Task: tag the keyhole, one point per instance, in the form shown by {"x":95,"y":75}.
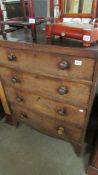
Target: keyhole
{"x":38,"y":98}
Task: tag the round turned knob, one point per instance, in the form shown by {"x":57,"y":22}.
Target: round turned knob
{"x":19,"y":99}
{"x":23,"y":115}
{"x":11,"y":57}
{"x":62,"y":90}
{"x":63,"y":65}
{"x":60,"y":130}
{"x":61,"y":111}
{"x":14,"y":79}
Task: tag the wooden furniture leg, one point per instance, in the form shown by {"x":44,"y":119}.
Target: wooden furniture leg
{"x":9,"y":118}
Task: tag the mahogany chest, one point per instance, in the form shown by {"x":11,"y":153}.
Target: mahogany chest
{"x":50,"y":88}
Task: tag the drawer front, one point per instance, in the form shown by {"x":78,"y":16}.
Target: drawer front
{"x":56,"y":65}
{"x":64,"y":91}
{"x":47,"y":125}
{"x":61,"y":111}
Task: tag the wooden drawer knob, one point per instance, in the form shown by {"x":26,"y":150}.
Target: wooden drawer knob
{"x":11,"y":57}
{"x":63,"y":65}
{"x":23,"y":115}
{"x":61,"y":111}
{"x":14,"y":80}
{"x":19,"y":99}
{"x":62,"y":90}
{"x":60,"y":130}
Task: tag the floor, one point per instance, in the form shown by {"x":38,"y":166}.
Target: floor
{"x":24,"y":151}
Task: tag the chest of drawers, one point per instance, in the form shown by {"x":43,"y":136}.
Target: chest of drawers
{"x":50,"y":88}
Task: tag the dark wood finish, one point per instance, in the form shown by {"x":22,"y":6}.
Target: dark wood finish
{"x":56,"y":127}
{"x":53,"y":109}
{"x":26,"y":12}
{"x":50,"y":88}
{"x":1,"y":18}
{"x":54,"y":61}
{"x":26,"y":15}
{"x":2,"y":32}
{"x":80,"y":6}
{"x":15,"y":9}
{"x":32,"y":15}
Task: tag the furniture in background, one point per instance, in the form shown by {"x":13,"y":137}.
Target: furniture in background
{"x":51,"y":91}
{"x":15,"y":9}
{"x":75,"y":20}
{"x":25,"y":10}
{"x":27,"y":14}
{"x":93,"y":168}
{"x":93,"y":163}
{"x":2,"y":32}
{"x":1,"y":18}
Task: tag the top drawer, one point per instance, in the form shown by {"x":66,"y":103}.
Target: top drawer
{"x":57,"y":65}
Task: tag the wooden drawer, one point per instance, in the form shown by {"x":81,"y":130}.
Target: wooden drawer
{"x":64,"y":112}
{"x":56,"y":89}
{"x":52,"y":64}
{"x":47,"y":125}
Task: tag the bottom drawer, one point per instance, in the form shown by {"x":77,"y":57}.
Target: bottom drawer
{"x":53,"y":127}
